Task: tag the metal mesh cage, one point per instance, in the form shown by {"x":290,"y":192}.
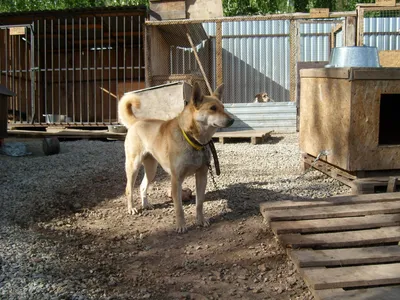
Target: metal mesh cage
{"x":380,"y":28}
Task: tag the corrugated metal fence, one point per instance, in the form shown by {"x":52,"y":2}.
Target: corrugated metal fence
{"x":256,"y":55}
{"x":383,"y":33}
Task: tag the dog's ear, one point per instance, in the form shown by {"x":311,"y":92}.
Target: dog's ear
{"x":218,"y":91}
{"x":197,"y":96}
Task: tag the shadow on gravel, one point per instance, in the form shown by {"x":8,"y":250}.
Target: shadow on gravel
{"x":274,"y":139}
{"x":244,"y":199}
{"x":68,"y":196}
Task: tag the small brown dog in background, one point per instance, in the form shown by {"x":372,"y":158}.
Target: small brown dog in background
{"x":262,"y":97}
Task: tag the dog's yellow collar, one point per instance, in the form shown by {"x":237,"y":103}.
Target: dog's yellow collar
{"x":191,"y":143}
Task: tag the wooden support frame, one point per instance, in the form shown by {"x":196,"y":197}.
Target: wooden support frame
{"x":218,"y":58}
{"x":198,"y":60}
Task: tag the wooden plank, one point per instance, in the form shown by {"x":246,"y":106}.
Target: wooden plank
{"x":392,"y":183}
{"x":167,"y":10}
{"x":385,"y":2}
{"x":328,"y":169}
{"x":341,"y":73}
{"x":196,"y":55}
{"x":322,"y":278}
{"x":341,"y":239}
{"x":338,"y":200}
{"x":335,"y":211}
{"x":242,"y":134}
{"x":335,"y":224}
{"x":384,"y":293}
{"x":218,"y":54}
{"x":72,"y":134}
{"x":375,"y":74}
{"x":347,"y":256}
{"x":350,"y":31}
{"x":317,"y":13}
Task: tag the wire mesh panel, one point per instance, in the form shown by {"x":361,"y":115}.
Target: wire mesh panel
{"x":379,"y":27}
{"x":381,"y":30}
{"x":315,"y":39}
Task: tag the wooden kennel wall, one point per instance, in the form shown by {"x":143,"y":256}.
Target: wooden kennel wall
{"x":76,"y":63}
{"x":352,"y":114}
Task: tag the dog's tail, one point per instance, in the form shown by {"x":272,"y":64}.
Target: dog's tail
{"x":125,"y":105}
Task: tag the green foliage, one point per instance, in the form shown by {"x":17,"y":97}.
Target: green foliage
{"x":37,"y":5}
{"x":254,"y":7}
{"x":231,"y":7}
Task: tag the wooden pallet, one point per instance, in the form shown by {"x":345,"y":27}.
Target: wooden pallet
{"x":255,"y":136}
{"x":67,"y":134}
{"x":370,"y":182}
{"x":344,"y":247}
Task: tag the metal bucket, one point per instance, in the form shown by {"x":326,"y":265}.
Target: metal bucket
{"x":50,"y":118}
{"x":354,"y":57}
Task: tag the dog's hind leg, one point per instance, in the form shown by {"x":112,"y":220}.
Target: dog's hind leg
{"x":150,"y":169}
{"x":201,"y":183}
{"x":132,"y":167}
{"x":176,"y":193}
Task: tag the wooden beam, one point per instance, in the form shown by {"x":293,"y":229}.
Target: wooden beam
{"x":345,"y":256}
{"x":218,"y":58}
{"x":340,"y":239}
{"x":391,"y":187}
{"x":335,"y":224}
{"x":198,"y":60}
{"x":335,"y":211}
{"x":358,"y":276}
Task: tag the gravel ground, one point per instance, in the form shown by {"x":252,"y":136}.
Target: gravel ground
{"x":65,"y":233}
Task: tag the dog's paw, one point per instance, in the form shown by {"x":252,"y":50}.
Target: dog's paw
{"x":181,"y":229}
{"x":133,"y":211}
{"x":203,"y":222}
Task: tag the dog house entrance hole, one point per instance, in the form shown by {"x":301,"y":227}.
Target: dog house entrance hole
{"x":389,"y":120}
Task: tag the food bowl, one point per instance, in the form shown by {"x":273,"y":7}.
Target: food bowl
{"x":53,"y":118}
{"x":354,"y":57}
{"x":117,"y":128}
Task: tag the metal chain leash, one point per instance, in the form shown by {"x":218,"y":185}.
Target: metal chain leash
{"x":212,"y":177}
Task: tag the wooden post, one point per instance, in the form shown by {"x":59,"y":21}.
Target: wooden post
{"x":218,"y":45}
{"x":391,"y":187}
{"x":198,"y":60}
{"x":294,"y":57}
{"x":147,"y":59}
{"x":360,"y":26}
{"x":350,"y":31}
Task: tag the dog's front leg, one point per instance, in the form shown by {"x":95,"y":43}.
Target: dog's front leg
{"x":201,"y":183}
{"x":176,"y":192}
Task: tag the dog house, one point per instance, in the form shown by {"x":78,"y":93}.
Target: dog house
{"x":352,"y":115}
